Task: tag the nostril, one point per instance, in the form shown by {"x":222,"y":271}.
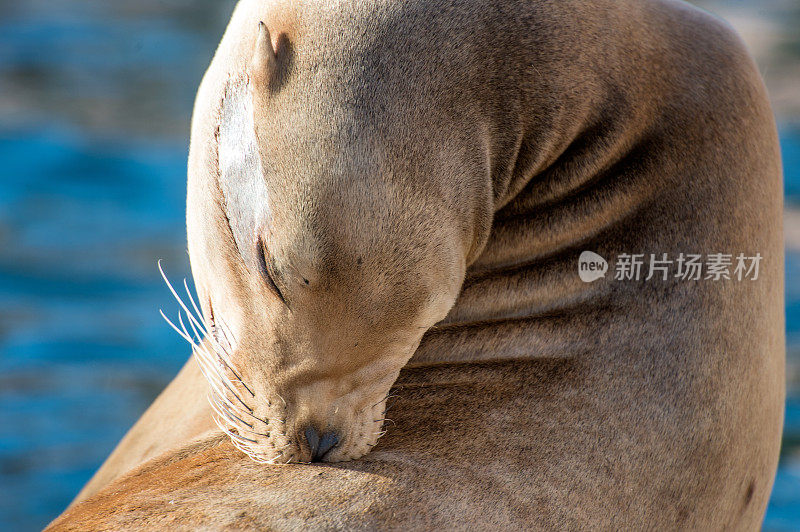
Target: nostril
{"x":327,"y":442}
{"x":312,"y":437}
{"x":320,"y":446}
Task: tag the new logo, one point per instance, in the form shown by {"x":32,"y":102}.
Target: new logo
{"x":591,"y":266}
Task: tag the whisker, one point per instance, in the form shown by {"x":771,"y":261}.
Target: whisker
{"x":191,"y":300}
{"x":202,"y":356}
{"x":223,"y":328}
{"x":220,"y":395}
{"x":174,"y":293}
{"x":216,"y":380}
{"x":272,"y":460}
{"x":390,"y":406}
{"x":379,"y":402}
{"x":197,"y":335}
{"x":250,"y":453}
{"x":227,"y":387}
{"x":255,"y":417}
{"x":237,"y":437}
{"x":219,"y":348}
{"x":254,"y":433}
{"x":211,"y":381}
{"x":231,"y":407}
{"x":213,"y":361}
{"x":238,"y":378}
{"x":190,"y":316}
{"x":212,"y":345}
{"x":196,"y":326}
{"x":226,"y":331}
{"x":259,"y":459}
{"x":207,"y":367}
{"x":216,"y":360}
{"x":184,"y":336}
{"x":227,"y":414}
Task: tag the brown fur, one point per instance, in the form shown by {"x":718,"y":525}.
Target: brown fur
{"x":540,"y":129}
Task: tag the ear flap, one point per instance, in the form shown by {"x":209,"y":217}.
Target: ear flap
{"x":264,"y":63}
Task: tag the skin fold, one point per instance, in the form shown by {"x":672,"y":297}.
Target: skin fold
{"x":390,"y":198}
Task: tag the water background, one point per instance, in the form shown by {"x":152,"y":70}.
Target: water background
{"x":95,"y":99}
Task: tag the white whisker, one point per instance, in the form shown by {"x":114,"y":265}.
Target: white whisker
{"x":212,"y":381}
{"x":202,"y":352}
{"x":222,"y":409}
{"x":184,"y":336}
{"x":191,"y":299}
{"x":195,"y":324}
{"x":174,"y":293}
{"x":215,"y":361}
{"x":217,"y":381}
{"x":230,"y":412}
{"x":197,"y":335}
{"x":235,"y":437}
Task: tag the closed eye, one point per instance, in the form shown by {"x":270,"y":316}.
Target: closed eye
{"x":267,"y":269}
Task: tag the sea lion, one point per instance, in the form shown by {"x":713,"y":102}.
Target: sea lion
{"x":397,"y":194}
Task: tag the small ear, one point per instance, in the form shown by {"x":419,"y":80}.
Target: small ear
{"x":264,"y":62}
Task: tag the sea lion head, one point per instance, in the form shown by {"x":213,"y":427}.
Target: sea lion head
{"x":322,"y":248}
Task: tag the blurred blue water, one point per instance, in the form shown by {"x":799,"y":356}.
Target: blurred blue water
{"x":790,"y":151}
{"x":82,"y":348}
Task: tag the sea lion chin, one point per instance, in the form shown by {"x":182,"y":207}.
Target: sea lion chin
{"x":311,"y":302}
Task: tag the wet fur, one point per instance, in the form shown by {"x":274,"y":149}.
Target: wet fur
{"x":539,"y":401}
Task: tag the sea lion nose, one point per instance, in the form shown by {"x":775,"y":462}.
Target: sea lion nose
{"x":320,"y":445}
